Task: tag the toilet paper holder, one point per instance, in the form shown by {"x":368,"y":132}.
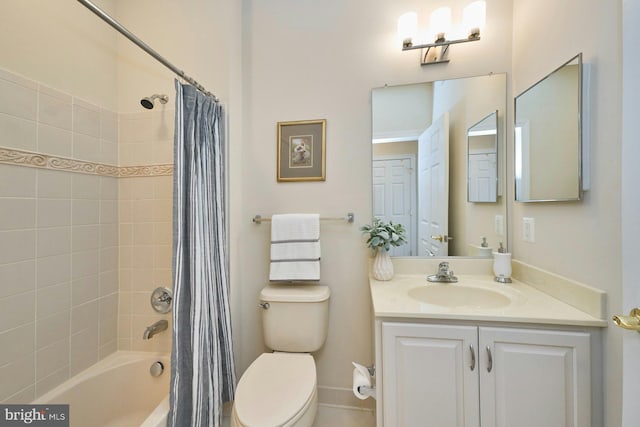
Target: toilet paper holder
{"x":367,"y":391}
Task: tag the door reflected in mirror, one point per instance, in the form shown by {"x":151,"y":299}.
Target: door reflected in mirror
{"x":421,"y":160}
{"x":548,"y":137}
{"x":482,"y":155}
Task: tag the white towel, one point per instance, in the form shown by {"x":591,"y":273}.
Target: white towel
{"x":295,"y":247}
{"x":295,"y":227}
{"x":295,"y":250}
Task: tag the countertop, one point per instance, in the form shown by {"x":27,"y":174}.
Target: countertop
{"x":528,"y":305}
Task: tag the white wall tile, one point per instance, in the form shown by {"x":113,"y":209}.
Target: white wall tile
{"x":49,"y":383}
{"x":54,"y":212}
{"x":18,"y":133}
{"x":85,"y":263}
{"x":108,"y":188}
{"x":53,"y":270}
{"x":85,"y":186}
{"x":17,"y":246}
{"x":85,"y":237}
{"x":18,"y":79}
{"x":17,"y":278}
{"x":54,"y":184}
{"x":108,"y":125}
{"x":86,"y":119}
{"x":53,"y":241}
{"x":108,"y":235}
{"x":108,"y":152}
{"x":108,"y":259}
{"x":52,"y":358}
{"x":53,"y":299}
{"x":84,"y":289}
{"x":85,"y":316}
{"x":85,"y":212}
{"x":55,"y":110}
{"x":51,"y":329}
{"x":109,"y":283}
{"x":84,"y":350}
{"x":16,"y":376}
{"x":17,"y":342}
{"x":17,"y":100}
{"x":17,"y":310}
{"x":135,"y":128}
{"x":17,"y":214}
{"x":108,"y":211}
{"x":54,"y":141}
{"x":86,"y":147}
{"x":17,"y":181}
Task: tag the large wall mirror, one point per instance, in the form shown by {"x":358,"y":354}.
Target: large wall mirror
{"x":420,"y":164}
{"x":548,"y":137}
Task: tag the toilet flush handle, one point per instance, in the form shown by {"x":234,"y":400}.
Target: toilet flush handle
{"x":264,"y":305}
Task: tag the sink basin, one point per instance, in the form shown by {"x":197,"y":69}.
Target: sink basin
{"x":455,"y":296}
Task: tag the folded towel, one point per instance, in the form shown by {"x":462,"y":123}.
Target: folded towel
{"x":295,"y":250}
{"x":295,"y":227}
{"x":294,"y":270}
{"x":295,"y":247}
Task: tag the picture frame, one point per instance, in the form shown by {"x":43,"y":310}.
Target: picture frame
{"x":301,"y":150}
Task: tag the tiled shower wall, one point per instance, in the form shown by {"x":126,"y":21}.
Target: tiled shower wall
{"x":60,"y":234}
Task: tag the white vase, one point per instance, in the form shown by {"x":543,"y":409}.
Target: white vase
{"x":382,"y":266}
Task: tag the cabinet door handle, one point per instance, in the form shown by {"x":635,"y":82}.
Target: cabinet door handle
{"x":473,"y":358}
{"x":489,"y":359}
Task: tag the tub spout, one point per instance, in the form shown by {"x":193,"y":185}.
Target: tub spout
{"x":156,"y":328}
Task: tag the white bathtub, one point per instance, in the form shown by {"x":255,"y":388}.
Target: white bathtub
{"x":118,"y":391}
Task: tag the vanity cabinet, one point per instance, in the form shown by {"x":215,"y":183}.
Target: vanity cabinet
{"x":464,"y":375}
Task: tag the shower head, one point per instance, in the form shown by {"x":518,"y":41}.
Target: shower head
{"x":148,"y":102}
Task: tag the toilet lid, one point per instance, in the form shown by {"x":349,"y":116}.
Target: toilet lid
{"x":275,"y":388}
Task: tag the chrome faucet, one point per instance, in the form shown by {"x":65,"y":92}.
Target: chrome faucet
{"x":444,"y":275}
{"x":156,"y":328}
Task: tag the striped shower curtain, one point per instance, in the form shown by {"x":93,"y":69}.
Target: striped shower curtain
{"x":202,"y":367}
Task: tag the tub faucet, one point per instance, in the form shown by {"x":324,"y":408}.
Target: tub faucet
{"x":156,"y":328}
{"x":444,"y":275}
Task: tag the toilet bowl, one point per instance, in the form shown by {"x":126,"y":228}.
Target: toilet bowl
{"x":277,"y":390}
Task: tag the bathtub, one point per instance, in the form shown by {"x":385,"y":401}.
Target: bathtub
{"x":118,"y":391}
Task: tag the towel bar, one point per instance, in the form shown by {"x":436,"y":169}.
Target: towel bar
{"x":258,"y":219}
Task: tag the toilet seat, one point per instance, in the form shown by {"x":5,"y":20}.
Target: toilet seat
{"x":276,"y":390}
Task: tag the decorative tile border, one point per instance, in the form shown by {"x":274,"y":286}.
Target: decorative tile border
{"x":45,"y":161}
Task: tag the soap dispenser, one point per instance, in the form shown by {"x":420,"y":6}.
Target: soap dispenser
{"x":502,"y":265}
{"x":484,"y":250}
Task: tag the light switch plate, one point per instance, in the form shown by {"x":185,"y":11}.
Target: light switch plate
{"x":499,"y":225}
{"x":529,"y":230}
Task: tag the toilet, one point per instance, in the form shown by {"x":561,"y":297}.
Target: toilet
{"x":279,"y":389}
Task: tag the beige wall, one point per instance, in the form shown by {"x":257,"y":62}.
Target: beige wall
{"x":579,"y":240}
{"x":401,"y":111}
{"x":336,"y":53}
{"x":61,"y":44}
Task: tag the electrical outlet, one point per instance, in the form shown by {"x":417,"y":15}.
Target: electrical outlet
{"x":529,"y":230}
{"x":499,"y":225}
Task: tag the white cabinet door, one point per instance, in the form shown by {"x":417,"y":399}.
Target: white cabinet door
{"x":535,"y":378}
{"x":430,"y":377}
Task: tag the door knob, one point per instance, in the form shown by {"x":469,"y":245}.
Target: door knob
{"x":632,"y":321}
{"x":441,"y":238}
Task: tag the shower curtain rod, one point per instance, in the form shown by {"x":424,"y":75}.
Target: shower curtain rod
{"x":142,"y":45}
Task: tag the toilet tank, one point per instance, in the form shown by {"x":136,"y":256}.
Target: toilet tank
{"x":297,"y":317}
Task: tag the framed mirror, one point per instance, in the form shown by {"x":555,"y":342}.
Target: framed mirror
{"x":482,"y":160}
{"x":548,"y":137}
{"x":420,"y":164}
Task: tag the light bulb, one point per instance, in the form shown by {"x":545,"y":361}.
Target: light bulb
{"x":473,"y":17}
{"x":407,"y":28}
{"x":440,"y":22}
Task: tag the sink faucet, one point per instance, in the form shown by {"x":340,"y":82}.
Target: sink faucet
{"x":444,"y":275}
{"x":156,"y":328}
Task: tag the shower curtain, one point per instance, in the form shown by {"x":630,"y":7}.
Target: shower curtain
{"x":202,"y":367}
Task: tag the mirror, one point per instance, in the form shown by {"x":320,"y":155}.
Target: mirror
{"x":420,"y":164}
{"x":548,"y":137}
{"x":482,"y":160}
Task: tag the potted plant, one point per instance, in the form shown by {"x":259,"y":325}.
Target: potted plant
{"x":381,"y":237}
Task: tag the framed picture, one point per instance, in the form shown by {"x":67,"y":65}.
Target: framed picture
{"x":301,"y":150}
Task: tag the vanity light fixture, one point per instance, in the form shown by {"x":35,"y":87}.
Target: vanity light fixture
{"x":473,"y":19}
